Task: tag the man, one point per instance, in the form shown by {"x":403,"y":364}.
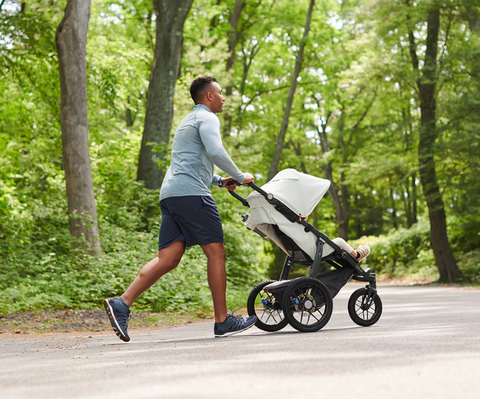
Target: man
{"x":189,"y":214}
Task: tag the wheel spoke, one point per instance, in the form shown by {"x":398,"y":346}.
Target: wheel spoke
{"x":268,"y":318}
{"x":315,"y":317}
{"x":273,"y":317}
{"x":365,"y":308}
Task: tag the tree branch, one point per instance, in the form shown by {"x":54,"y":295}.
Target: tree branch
{"x":411,"y":38}
{"x":260,"y":92}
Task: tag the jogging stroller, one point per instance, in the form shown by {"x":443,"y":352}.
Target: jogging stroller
{"x":278,"y":211}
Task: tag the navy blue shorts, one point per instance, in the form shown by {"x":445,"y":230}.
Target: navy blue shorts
{"x":192,"y":219}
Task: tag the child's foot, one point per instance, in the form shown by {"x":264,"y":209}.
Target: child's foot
{"x":362,"y":252}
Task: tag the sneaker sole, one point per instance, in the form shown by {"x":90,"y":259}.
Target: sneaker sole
{"x":227,"y":334}
{"x":113,"y":322}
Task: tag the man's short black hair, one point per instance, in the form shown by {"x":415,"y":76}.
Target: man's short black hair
{"x":198,"y":85}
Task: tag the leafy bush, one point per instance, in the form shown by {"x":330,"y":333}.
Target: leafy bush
{"x":404,"y":252}
{"x":407,"y":253}
{"x":42,"y":270}
{"x":469,"y":264}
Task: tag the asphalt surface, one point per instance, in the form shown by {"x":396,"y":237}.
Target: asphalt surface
{"x":426,"y":345}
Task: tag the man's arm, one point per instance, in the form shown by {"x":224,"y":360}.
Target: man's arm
{"x":209,"y":130}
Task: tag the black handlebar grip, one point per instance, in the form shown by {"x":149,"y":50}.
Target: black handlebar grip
{"x":232,"y":182}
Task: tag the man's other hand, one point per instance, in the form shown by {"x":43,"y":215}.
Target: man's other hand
{"x":248,"y":178}
{"x":231,"y":187}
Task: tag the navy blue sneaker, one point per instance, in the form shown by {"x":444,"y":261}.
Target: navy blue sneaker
{"x":119,"y":315}
{"x":233,"y":325}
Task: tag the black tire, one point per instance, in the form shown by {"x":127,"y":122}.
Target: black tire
{"x":267,"y":308}
{"x":307,"y":304}
{"x":363,"y":310}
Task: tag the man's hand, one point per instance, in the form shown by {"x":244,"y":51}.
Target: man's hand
{"x":225,"y":182}
{"x":248,"y":178}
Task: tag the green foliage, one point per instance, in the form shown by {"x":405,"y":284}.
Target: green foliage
{"x":402,"y":253}
{"x":407,"y":253}
{"x":469,"y":264}
{"x":42,"y":269}
{"x":357,"y":83}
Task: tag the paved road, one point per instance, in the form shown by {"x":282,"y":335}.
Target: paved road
{"x":426,"y":345}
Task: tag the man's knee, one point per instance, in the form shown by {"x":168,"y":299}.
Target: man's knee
{"x":170,"y":262}
{"x":215,"y":251}
{"x":171,"y":256}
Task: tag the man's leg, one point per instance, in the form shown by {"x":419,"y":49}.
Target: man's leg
{"x":118,"y":309}
{"x":166,"y":260}
{"x":217,"y":278}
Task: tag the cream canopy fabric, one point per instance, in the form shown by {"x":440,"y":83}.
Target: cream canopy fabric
{"x":298,"y":191}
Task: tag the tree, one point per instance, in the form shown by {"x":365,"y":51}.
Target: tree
{"x":427,"y":90}
{"x":71,"y":40}
{"x":232,"y":43}
{"x":171,"y":16}
{"x":277,"y":155}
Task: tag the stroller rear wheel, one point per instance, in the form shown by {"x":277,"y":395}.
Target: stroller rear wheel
{"x":364,"y":309}
{"x":267,"y":308}
{"x":307,"y":304}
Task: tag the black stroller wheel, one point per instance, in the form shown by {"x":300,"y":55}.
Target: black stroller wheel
{"x":307,"y":304}
{"x":267,"y":308}
{"x":363,"y":309}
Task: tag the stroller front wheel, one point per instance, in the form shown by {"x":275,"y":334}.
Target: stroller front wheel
{"x":364,"y":309}
{"x":267,"y":308}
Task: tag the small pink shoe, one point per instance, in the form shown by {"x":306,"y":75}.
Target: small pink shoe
{"x":362,"y":252}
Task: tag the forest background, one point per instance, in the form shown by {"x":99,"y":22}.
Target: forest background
{"x":380,"y":97}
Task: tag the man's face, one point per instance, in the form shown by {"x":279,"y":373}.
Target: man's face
{"x":217,"y":98}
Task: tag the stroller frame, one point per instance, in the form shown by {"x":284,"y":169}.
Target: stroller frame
{"x":339,"y":259}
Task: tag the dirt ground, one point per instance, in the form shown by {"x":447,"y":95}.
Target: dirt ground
{"x":70,"y":321}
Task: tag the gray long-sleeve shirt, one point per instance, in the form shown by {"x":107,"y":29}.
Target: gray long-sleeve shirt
{"x":197,"y":147}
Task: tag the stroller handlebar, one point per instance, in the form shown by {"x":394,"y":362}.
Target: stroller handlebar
{"x":268,"y":196}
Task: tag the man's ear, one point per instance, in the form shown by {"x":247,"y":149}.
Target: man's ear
{"x":209,"y":96}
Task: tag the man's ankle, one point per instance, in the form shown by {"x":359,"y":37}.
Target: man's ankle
{"x":125,"y":301}
{"x":221,"y":318}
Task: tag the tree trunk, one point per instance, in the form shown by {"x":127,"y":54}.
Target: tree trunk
{"x":232,"y":44}
{"x":277,"y":155}
{"x":414,"y":198}
{"x":340,"y":202}
{"x":171,"y":16}
{"x":341,"y":208}
{"x":71,"y":40}
{"x":394,"y":210}
{"x":445,"y":261}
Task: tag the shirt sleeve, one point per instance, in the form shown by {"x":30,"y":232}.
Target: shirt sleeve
{"x":209,"y":130}
{"x":217,"y":181}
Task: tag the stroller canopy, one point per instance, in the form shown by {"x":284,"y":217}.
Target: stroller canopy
{"x":298,"y":191}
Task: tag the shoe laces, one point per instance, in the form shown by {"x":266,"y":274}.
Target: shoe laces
{"x":124,"y":318}
{"x":236,"y":316}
